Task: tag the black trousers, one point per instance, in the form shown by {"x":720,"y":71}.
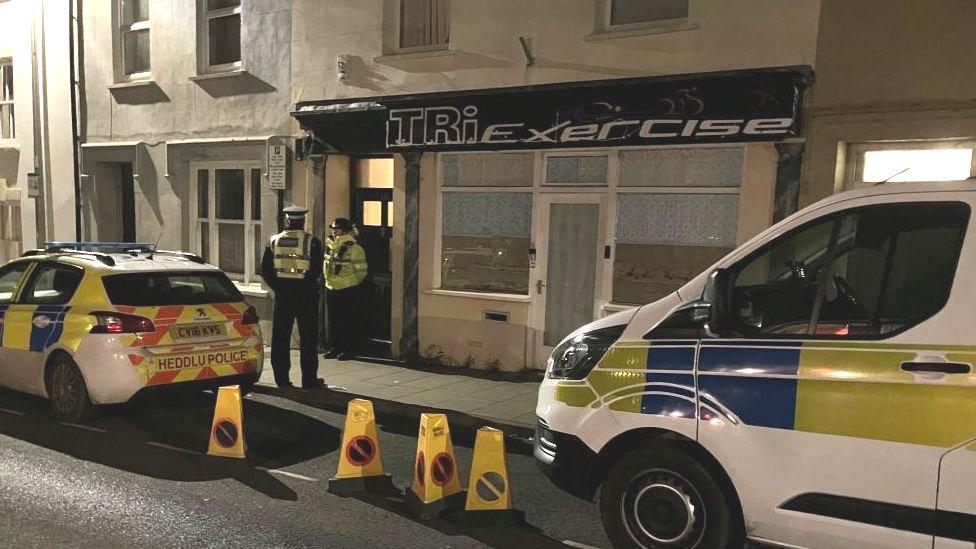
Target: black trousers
{"x":345,"y":320}
{"x":286,"y":312}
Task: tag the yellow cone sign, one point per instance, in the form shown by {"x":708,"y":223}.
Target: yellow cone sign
{"x":227,"y":430}
{"x":488,"y":487}
{"x":435,"y":468}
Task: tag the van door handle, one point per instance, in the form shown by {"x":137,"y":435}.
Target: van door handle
{"x":936,"y":367}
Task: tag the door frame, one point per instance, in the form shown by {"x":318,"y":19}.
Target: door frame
{"x":540,"y":271}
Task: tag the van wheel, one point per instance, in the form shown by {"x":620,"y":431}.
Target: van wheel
{"x":67,"y":390}
{"x":663,"y":497}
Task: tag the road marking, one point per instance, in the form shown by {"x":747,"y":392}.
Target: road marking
{"x":14,"y":412}
{"x":84,"y":427}
{"x":288,"y":474}
{"x":174,"y":448}
{"x":572,"y":543}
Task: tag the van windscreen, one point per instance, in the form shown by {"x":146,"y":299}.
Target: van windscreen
{"x":170,"y":288}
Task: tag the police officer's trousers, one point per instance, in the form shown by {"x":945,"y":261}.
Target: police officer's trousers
{"x":345,"y":318}
{"x":304,"y":309}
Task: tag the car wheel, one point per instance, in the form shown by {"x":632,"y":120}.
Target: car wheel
{"x":663,"y":497}
{"x":67,"y":390}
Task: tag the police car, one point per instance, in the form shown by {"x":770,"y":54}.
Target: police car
{"x":87,"y":324}
{"x":815,"y":388}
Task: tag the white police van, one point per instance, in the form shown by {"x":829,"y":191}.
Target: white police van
{"x":815,"y":388}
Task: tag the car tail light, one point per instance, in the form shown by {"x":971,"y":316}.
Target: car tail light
{"x":120,"y":323}
{"x":250,"y":316}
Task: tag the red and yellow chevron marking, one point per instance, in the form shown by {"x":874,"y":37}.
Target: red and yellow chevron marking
{"x":196,"y":374}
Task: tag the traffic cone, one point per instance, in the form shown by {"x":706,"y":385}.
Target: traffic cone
{"x":489,"y":490}
{"x":360,"y":464}
{"x":435,"y":488}
{"x":227,"y":431}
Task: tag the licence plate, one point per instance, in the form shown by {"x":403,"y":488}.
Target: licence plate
{"x":184,"y":332}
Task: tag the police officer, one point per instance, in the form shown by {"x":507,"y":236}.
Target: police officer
{"x":291,"y":266}
{"x":345,"y":270}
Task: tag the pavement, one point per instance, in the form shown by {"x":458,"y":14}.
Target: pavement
{"x":138,"y":475}
{"x":505,"y":404}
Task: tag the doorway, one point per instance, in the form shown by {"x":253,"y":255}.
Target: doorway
{"x":570,"y":238}
{"x":128,"y":198}
{"x":372,"y":212}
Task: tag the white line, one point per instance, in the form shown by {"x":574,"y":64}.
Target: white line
{"x":14,"y":412}
{"x":174,"y":448}
{"x":84,"y":427}
{"x":288,"y":474}
{"x":572,"y":543}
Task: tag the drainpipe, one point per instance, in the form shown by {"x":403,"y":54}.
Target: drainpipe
{"x":73,"y":25}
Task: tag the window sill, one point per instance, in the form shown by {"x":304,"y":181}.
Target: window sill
{"x":10,"y":143}
{"x":514,"y":298}
{"x":252,"y":290}
{"x":132,"y":84}
{"x":233,"y":73}
{"x":600,"y":36}
{"x":415,"y":54}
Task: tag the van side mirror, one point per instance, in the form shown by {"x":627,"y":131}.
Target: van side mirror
{"x":718,"y":294}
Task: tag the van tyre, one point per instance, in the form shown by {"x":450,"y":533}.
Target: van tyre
{"x":67,"y":390}
{"x":662,"y":496}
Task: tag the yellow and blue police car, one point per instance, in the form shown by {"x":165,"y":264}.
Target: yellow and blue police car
{"x":814,"y":388}
{"x":87,"y":324}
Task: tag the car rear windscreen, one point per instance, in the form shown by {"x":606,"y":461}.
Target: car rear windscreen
{"x":175,"y":288}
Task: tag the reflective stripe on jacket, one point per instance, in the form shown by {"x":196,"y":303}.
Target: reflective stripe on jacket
{"x":345,"y":263}
{"x":291,"y":253}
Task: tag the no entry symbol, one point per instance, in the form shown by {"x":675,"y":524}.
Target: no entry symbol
{"x":420,"y":469}
{"x":360,"y":451}
{"x":490,"y":486}
{"x":442,"y":470}
{"x":225,"y":432}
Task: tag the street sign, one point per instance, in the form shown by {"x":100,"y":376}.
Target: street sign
{"x":277,"y":174}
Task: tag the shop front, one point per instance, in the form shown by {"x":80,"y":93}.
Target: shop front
{"x":518,"y":214}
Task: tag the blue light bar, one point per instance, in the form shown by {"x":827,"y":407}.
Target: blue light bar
{"x":98,"y":246}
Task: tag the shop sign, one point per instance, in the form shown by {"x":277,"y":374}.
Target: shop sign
{"x":277,"y":174}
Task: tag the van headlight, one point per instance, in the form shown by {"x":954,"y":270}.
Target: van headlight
{"x":575,"y":357}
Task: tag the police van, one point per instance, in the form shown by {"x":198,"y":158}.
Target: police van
{"x":814,"y":388}
{"x":86,"y":324}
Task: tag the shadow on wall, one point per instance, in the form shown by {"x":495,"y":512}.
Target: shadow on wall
{"x":235,"y":83}
{"x":361,"y":75}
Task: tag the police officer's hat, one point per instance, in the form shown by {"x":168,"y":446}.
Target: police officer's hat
{"x":295,"y":212}
{"x":341,"y":224}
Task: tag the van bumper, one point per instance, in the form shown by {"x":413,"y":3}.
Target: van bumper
{"x":565,"y":460}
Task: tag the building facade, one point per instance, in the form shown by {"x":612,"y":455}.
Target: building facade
{"x":37,"y":145}
{"x":512,"y":209}
{"x":891,"y":103}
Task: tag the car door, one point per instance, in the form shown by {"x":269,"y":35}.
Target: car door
{"x":11,"y":279}
{"x":828,"y":393}
{"x":36,"y":321}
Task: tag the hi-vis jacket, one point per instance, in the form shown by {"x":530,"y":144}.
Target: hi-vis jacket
{"x":345,"y":263}
{"x":291,"y":253}
{"x":292,"y":263}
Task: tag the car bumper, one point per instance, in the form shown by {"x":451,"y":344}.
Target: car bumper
{"x":242,"y":380}
{"x":565,"y":459}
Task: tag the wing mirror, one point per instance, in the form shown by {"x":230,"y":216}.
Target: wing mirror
{"x":718,"y":296}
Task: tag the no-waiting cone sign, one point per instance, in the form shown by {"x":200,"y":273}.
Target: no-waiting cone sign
{"x":435,"y":488}
{"x":360,"y":465}
{"x":226,"y":432}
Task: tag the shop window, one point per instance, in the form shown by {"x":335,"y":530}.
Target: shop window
{"x":6,"y":100}
{"x":133,"y":39}
{"x":488,"y":169}
{"x":228,"y":210}
{"x":485,"y":241}
{"x":424,"y":24}
{"x":589,"y":170}
{"x":681,"y":167}
{"x":220,"y":27}
{"x":637,"y":13}
{"x":871,"y":163}
{"x":870,"y":272}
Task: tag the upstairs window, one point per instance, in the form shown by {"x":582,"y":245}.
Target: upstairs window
{"x":221,"y":28}
{"x":133,"y":17}
{"x":637,"y":13}
{"x":6,"y":100}
{"x":871,"y":163}
{"x":424,"y":24}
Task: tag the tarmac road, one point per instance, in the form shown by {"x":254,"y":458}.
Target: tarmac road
{"x":138,"y":475}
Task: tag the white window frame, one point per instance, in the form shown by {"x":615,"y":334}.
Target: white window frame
{"x":251,"y":262}
{"x":417,"y":49}
{"x":608,"y":26}
{"x":206,"y":15}
{"x":6,"y":65}
{"x":854,"y":165}
{"x":121,"y":28}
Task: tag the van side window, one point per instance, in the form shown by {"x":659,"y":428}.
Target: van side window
{"x":863,"y":273}
{"x":52,"y":284}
